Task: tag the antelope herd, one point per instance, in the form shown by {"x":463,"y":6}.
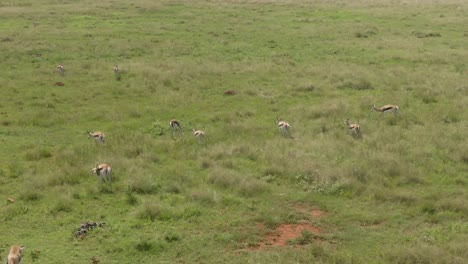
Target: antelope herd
{"x":104,"y":170}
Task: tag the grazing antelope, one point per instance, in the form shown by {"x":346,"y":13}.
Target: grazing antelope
{"x":103,"y":171}
{"x":354,"y":128}
{"x":60,"y":69}
{"x":198,"y":134}
{"x":387,"y":108}
{"x":97,"y":135}
{"x":175,"y":126}
{"x":283,"y":126}
{"x":15,"y":255}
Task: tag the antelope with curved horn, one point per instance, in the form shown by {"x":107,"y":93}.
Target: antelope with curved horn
{"x":354,"y":128}
{"x":97,"y":135}
{"x":283,"y":126}
{"x":103,"y":171}
{"x":386,"y":108}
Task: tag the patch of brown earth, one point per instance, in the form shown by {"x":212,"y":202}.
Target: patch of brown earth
{"x":287,"y":232}
{"x":284,"y":233}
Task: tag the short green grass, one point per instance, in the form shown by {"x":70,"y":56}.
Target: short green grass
{"x":398,"y":194}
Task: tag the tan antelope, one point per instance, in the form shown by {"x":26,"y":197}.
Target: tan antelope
{"x":387,"y":108}
{"x":174,"y":125}
{"x":97,"y":135}
{"x":15,"y":255}
{"x":60,"y":69}
{"x":283,"y":126}
{"x":116,"y":69}
{"x":198,"y":134}
{"x":103,"y":171}
{"x":354,"y":128}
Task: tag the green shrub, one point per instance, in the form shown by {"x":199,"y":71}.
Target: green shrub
{"x":359,"y":85}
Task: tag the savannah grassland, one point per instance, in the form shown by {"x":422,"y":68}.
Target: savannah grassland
{"x":398,"y":194}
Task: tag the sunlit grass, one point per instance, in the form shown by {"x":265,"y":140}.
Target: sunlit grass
{"x":397,"y":194}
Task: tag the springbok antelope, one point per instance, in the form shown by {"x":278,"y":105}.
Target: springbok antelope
{"x":116,"y":69}
{"x":354,"y":128}
{"x":60,"y":69}
{"x":103,"y":171}
{"x":174,"y":125}
{"x":386,"y":108}
{"x":198,"y":133}
{"x":283,"y":126}
{"x":14,"y":257}
{"x":97,"y":135}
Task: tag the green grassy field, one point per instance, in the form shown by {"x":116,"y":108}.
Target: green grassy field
{"x":396,"y":194}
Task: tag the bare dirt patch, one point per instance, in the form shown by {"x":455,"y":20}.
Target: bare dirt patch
{"x":280,"y":236}
{"x":284,"y":233}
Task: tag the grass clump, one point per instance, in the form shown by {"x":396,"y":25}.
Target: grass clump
{"x":360,"y":85}
{"x":37,"y":154}
{"x":143,"y":184}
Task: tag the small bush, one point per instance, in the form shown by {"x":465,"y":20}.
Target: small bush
{"x":155,"y":211}
{"x":143,"y":246}
{"x":305,"y":238}
{"x":150,"y":211}
{"x":365,"y":34}
{"x":223,"y":178}
{"x":61,"y":206}
{"x":359,"y":85}
{"x":251,"y":187}
{"x":204,"y":196}
{"x":30,"y":196}
{"x":38,"y":154}
{"x":130,"y":197}
{"x":426,"y":35}
{"x":171,"y":237}
{"x":306,"y":88}
{"x":142,"y":185}
{"x":12,"y":211}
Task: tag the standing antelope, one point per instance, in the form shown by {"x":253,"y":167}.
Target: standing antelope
{"x":283,"y":126}
{"x":198,"y":134}
{"x":175,"y":126}
{"x":103,"y":171}
{"x":354,"y":128}
{"x":60,"y":69}
{"x":116,"y":69}
{"x":97,"y":135}
{"x":14,"y":257}
{"x":387,"y":108}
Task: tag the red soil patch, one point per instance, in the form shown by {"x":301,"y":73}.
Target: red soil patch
{"x":285,"y":232}
{"x":59,"y":84}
